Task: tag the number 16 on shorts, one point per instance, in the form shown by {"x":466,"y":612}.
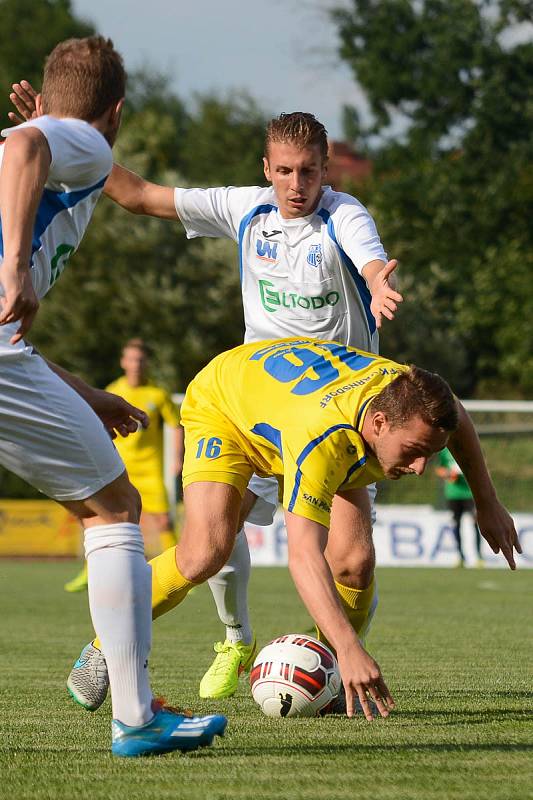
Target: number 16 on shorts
{"x":209,"y":448}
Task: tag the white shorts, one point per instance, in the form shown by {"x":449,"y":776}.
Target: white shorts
{"x":49,"y":435}
{"x":266,"y":504}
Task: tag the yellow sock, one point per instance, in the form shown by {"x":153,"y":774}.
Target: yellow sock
{"x":169,"y":587}
{"x":358,"y":605}
{"x":167,"y":539}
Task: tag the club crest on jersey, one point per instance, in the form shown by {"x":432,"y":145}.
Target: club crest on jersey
{"x":314,"y":256}
{"x":267,"y":251}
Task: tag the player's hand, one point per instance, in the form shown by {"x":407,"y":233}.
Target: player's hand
{"x":19,"y":303}
{"x":362,"y":678}
{"x":385,"y":299}
{"x":23,"y":98}
{"x":497,"y":527}
{"x":117,"y":415}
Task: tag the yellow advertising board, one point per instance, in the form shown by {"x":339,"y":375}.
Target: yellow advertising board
{"x":37,"y":528}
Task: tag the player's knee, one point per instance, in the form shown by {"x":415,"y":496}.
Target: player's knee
{"x":200,"y":564}
{"x":118,"y":502}
{"x":355,"y":568}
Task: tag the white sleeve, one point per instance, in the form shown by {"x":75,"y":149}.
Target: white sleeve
{"x":357,"y":234}
{"x":214,"y":212}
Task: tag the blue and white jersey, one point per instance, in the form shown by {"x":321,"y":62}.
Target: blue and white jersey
{"x":300,"y":277}
{"x":81,"y":162}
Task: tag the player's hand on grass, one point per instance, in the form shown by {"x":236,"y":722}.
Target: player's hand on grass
{"x":19,"y":303}
{"x":362,"y":679}
{"x":23,"y":98}
{"x":497,"y":527}
{"x":117,"y":415}
{"x":385,"y":299}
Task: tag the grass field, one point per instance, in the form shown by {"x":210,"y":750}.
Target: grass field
{"x":455,"y":647}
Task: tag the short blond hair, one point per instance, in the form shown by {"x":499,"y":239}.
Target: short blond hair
{"x":300,"y":129}
{"x":83,"y":78}
{"x":418,"y":393}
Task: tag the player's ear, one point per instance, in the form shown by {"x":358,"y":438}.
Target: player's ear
{"x":115,"y":112}
{"x":380,"y":423}
{"x":38,"y":105}
{"x":266,"y":168}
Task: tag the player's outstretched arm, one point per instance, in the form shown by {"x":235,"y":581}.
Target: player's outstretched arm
{"x":381,"y":281}
{"x":117,"y":415}
{"x":312,"y":576}
{"x":495,"y":523}
{"x":123,"y":186}
{"x":25,"y":167}
{"x":139,"y":196}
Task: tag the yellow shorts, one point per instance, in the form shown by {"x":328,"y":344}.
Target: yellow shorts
{"x":214,"y":448}
{"x":153,"y":493}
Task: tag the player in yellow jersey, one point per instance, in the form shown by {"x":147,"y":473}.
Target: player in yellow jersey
{"x":142,"y":452}
{"x":325,"y":420}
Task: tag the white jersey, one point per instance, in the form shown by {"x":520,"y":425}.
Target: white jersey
{"x":81,"y":162}
{"x":300,"y":277}
{"x":49,"y":436}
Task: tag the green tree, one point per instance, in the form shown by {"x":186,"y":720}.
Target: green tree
{"x":223,"y":144}
{"x":30,"y":29}
{"x":450,"y":91}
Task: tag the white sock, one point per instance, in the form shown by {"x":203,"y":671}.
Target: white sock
{"x":120,"y":599}
{"x":230,"y":592}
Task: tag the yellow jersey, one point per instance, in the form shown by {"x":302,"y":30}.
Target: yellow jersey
{"x":142,"y":452}
{"x":295,"y":409}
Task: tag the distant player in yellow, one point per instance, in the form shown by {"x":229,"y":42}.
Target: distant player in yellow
{"x":143,"y":453}
{"x":325,"y":420}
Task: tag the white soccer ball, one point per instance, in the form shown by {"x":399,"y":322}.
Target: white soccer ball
{"x":294,"y":676}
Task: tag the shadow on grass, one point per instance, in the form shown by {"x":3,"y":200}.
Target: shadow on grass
{"x":299,"y":749}
{"x":457,"y":717}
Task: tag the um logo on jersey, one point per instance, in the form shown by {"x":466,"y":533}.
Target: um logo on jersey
{"x":314,"y":256}
{"x":272,"y":299}
{"x":267,"y":251}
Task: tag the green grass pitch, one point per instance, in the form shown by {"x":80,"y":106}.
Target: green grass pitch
{"x":455,"y":647}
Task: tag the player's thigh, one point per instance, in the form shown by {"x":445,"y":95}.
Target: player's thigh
{"x":350,"y":548}
{"x":211,"y":514}
{"x":49,"y":436}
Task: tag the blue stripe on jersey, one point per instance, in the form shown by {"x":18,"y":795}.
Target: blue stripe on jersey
{"x":266,"y":208}
{"x":353,"y":468}
{"x":358,"y":420}
{"x":272,"y":435}
{"x":53,"y":203}
{"x":305,"y":452}
{"x":360,"y":283}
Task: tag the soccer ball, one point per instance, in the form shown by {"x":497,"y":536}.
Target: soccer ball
{"x":295,"y":676}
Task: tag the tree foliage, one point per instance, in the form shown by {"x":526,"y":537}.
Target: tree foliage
{"x":450,"y":90}
{"x":30,"y":29}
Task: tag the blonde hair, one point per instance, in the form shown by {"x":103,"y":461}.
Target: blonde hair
{"x":300,"y":129}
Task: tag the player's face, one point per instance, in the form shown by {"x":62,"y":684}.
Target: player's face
{"x":133,"y":362}
{"x":297,"y":175}
{"x":406,"y":450}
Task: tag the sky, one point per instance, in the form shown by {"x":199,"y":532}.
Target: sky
{"x":283,"y":52}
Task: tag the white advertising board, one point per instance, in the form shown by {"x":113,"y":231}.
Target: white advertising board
{"x":404,"y":536}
